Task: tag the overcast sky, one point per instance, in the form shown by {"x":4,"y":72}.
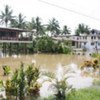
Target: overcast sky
{"x":34,"y":8}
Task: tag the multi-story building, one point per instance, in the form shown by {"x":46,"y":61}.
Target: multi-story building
{"x":84,"y":43}
{"x":13,"y":36}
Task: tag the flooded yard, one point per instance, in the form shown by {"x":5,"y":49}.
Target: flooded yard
{"x":48,"y":61}
{"x":62,"y":65}
{"x":44,"y":61}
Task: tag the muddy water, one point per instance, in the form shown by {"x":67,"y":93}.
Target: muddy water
{"x":47,"y":61}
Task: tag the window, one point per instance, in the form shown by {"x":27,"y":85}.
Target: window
{"x":92,"y":43}
{"x":85,"y":37}
{"x":98,"y":37}
{"x":91,"y":37}
{"x":94,"y":37}
{"x":99,"y":43}
{"x":84,"y":43}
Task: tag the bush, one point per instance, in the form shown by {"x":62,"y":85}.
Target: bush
{"x":48,"y":45}
{"x":6,"y":70}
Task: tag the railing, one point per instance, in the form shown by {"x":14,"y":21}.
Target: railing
{"x":16,"y":38}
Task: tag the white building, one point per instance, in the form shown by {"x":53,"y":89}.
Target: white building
{"x":84,"y":43}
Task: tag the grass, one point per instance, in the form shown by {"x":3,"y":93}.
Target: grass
{"x":96,"y":82}
{"x":82,"y":94}
{"x":85,"y":94}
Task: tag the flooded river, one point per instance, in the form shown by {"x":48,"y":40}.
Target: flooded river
{"x":47,"y":61}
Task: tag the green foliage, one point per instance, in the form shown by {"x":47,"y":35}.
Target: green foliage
{"x":30,"y":48}
{"x":34,"y":90}
{"x":66,"y":30}
{"x":48,"y":45}
{"x":1,"y":84}
{"x":6,"y":15}
{"x":96,"y":55}
{"x":85,"y":94}
{"x":64,"y":47}
{"x":60,"y":85}
{"x":6,"y":70}
{"x":62,"y":89}
{"x":96,"y":82}
{"x":32,"y":74}
{"x":19,"y":22}
{"x":36,"y":25}
{"x":18,"y":85}
{"x":10,"y":88}
{"x":82,"y":29}
{"x":44,"y":44}
{"x":29,"y":74}
{"x":54,"y":27}
{"x":22,"y":83}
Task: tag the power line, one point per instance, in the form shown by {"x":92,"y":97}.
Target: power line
{"x":70,"y":10}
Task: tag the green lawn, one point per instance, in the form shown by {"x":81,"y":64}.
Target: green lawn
{"x":85,"y":94}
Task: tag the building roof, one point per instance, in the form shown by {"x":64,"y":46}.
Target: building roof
{"x":4,"y":29}
{"x":95,"y":32}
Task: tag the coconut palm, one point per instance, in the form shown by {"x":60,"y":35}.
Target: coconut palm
{"x":82,"y":29}
{"x":31,"y":25}
{"x":66,"y":30}
{"x":19,"y":22}
{"x":6,"y":15}
{"x":53,"y":27}
{"x":35,"y":24}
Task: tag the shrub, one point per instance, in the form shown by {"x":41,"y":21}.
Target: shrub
{"x":6,"y":69}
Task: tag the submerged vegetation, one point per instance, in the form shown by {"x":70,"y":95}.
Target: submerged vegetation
{"x":26,"y":83}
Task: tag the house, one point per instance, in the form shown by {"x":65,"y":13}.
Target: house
{"x":88,"y":43}
{"x":13,"y":36}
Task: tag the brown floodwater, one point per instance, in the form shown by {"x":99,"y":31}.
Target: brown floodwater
{"x":44,"y":61}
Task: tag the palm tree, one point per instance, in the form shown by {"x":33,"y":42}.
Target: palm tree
{"x":82,"y":29}
{"x":6,"y":16}
{"x":53,"y":27}
{"x":36,"y":24}
{"x":66,"y":30}
{"x":19,"y":22}
{"x":31,"y":25}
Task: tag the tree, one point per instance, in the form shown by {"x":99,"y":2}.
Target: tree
{"x":82,"y":29}
{"x":53,"y":27}
{"x":66,"y":30}
{"x":19,"y":22}
{"x":6,"y":15}
{"x":31,"y":25}
{"x":36,"y":24}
